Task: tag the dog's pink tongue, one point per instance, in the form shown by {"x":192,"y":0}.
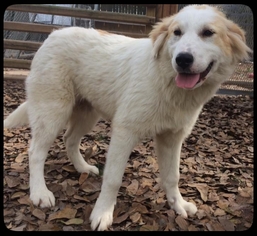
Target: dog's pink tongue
{"x":187,"y":80}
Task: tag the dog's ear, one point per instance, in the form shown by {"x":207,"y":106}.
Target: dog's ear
{"x":159,"y":34}
{"x":237,"y":41}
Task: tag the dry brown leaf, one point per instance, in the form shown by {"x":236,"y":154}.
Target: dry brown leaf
{"x":82,"y":178}
{"x":216,"y":226}
{"x":146,"y":182}
{"x":139,"y":207}
{"x":25,"y":200}
{"x":200,"y":214}
{"x":39,"y":214}
{"x":66,"y":213}
{"x":74,"y":221}
{"x":213,"y":196}
{"x":49,"y":227}
{"x":202,"y":189}
{"x":12,"y":181}
{"x":223,"y":204}
{"x":245,"y":192}
{"x":192,"y":228}
{"x":133,"y":187}
{"x":219,"y":212}
{"x":20,"y":228}
{"x":69,"y":169}
{"x":81,"y":198}
{"x":149,"y":227}
{"x":90,"y":187}
{"x":18,"y":195}
{"x":182,"y":223}
{"x":21,"y":157}
{"x":70,"y":190}
{"x":121,"y":218}
{"x":135,"y":217}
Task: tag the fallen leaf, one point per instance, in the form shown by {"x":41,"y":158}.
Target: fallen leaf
{"x":121,"y":218}
{"x":133,"y":187}
{"x":227,"y":224}
{"x":213,"y":196}
{"x":202,"y":189}
{"x":146,"y":182}
{"x":25,"y":200}
{"x":49,"y":227}
{"x":135,"y":217}
{"x":81,"y":198}
{"x":148,"y":227}
{"x":74,"y":221}
{"x":82,"y":178}
{"x":39,"y":214}
{"x":20,"y":228}
{"x":69,"y":169}
{"x":70,"y":190}
{"x":219,"y":212}
{"x":66,"y":213}
{"x":182,"y":223}
{"x":90,"y":187}
{"x":21,"y":157}
{"x":139,"y":207}
{"x":12,"y":181}
{"x":18,"y":195}
{"x":68,"y":228}
{"x":200,"y":214}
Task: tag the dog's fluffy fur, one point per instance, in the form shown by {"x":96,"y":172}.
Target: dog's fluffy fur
{"x":81,"y":74}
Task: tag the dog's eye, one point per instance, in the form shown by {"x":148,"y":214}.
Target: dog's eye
{"x":177,"y":32}
{"x":207,"y":33}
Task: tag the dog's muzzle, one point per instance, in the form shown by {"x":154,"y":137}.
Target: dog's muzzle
{"x":186,"y":79}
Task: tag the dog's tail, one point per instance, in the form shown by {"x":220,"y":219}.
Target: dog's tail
{"x":18,"y":117}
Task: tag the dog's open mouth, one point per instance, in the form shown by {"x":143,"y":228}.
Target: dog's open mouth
{"x":190,"y":80}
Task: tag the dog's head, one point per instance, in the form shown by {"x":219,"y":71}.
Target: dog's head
{"x":199,"y":40}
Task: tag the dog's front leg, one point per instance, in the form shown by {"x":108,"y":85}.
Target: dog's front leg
{"x":168,"y":152}
{"x":122,"y":143}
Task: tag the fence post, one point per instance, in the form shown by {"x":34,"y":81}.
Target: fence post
{"x":164,"y":10}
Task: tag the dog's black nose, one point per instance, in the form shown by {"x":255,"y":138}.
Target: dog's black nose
{"x":184,"y":60}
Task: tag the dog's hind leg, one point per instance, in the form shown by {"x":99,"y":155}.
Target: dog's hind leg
{"x":82,"y":120}
{"x":47,"y":119}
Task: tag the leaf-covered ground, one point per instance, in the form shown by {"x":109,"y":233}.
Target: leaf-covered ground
{"x":216,"y":174}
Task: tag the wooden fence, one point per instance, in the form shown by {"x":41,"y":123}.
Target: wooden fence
{"x":120,"y":23}
{"x":127,"y":24}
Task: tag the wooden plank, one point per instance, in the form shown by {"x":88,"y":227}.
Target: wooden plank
{"x":15,"y":77}
{"x":21,"y":45}
{"x":130,"y":34}
{"x":246,"y":84}
{"x":29,"y":27}
{"x":39,"y":28}
{"x":159,"y":12}
{"x":173,"y":9}
{"x":151,"y":12}
{"x":115,"y":26}
{"x":235,"y":92}
{"x":82,"y":13}
{"x":17,"y":63}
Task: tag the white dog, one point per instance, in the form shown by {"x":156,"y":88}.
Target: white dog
{"x":152,"y":86}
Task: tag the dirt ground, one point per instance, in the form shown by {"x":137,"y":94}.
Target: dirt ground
{"x":216,"y":175}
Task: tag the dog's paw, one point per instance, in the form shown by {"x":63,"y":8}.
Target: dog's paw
{"x":101,"y":219}
{"x":43,"y":198}
{"x":87,"y":169}
{"x":183,"y":207}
